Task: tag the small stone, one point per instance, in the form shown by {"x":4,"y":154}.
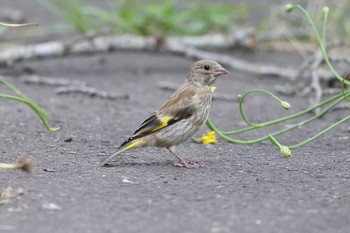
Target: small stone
{"x":125,"y":180}
{"x":51,"y":206}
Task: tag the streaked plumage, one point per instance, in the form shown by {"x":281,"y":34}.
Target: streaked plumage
{"x":181,"y":115}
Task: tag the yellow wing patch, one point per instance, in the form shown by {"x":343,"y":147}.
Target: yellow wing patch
{"x":164,"y":122}
{"x":138,"y":142}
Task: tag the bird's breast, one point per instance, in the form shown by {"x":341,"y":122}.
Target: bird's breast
{"x":203,"y":102}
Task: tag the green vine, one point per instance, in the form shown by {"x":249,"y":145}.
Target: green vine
{"x":328,"y":104}
{"x":24,"y":99}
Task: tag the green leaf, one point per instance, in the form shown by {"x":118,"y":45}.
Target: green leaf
{"x":24,"y":99}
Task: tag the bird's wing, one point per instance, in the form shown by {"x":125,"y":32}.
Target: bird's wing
{"x":178,"y":107}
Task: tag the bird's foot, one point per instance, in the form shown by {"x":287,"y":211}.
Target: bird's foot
{"x":188,"y":164}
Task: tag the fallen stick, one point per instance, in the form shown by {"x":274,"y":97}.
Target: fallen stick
{"x":90,"y":91}
{"x":315,"y":79}
{"x":83,"y":45}
{"x":183,"y":46}
{"x":65,"y":86}
{"x":232,"y":62}
{"x":39,"y":80}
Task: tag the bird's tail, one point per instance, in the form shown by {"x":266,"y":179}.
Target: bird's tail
{"x":125,"y":147}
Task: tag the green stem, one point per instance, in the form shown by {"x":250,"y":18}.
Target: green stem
{"x":282,"y":119}
{"x":343,"y":87}
{"x":11,"y":87}
{"x":8,"y":166}
{"x":35,"y":108}
{"x":196,"y":140}
{"x":21,"y":95}
{"x":283,"y":103}
{"x":325,"y":11}
{"x":211,"y":126}
{"x":333,"y":101}
{"x":319,"y":134}
{"x":320,"y":42}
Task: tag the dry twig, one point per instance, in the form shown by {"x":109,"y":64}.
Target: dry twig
{"x":184,"y":46}
{"x":90,"y":91}
{"x":65,"y":86}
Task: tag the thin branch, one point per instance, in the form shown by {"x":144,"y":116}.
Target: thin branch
{"x":315,"y":79}
{"x":65,"y":86}
{"x":242,"y":37}
{"x":39,"y":80}
{"x":233,"y":62}
{"x":183,"y":46}
{"x":188,"y":46}
{"x":90,"y":91}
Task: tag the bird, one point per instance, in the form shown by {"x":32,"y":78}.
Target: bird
{"x":180,"y":116}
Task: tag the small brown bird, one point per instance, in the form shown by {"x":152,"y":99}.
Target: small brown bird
{"x":180,"y":116}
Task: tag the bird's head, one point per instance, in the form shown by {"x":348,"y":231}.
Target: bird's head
{"x":205,"y":72}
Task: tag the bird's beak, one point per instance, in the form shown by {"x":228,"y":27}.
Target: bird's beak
{"x":220,"y":71}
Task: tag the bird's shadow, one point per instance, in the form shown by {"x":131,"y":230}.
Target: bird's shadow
{"x":168,"y":163}
{"x":136,"y":163}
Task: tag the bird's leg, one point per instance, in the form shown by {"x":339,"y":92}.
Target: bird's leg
{"x":181,"y":162}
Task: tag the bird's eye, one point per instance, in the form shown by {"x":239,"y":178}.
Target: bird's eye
{"x":206,"y":67}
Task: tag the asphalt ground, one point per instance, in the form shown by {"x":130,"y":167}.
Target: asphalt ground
{"x":243,"y":188}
